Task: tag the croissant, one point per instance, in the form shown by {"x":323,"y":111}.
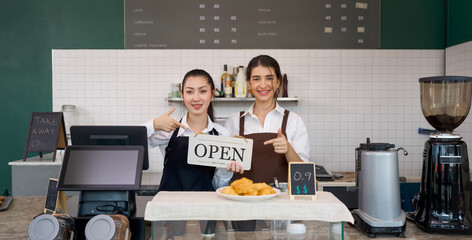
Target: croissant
{"x":229,"y":191}
{"x":246,"y":187}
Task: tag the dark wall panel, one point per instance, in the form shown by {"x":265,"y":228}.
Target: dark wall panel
{"x":459,"y":22}
{"x":28,"y":32}
{"x":418,"y":24}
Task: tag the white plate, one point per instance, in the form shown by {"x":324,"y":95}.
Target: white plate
{"x":247,"y":198}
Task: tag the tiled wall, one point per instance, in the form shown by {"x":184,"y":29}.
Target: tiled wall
{"x":346,"y":95}
{"x":459,"y":63}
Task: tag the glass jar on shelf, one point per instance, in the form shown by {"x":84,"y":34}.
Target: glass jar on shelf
{"x":70,"y":117}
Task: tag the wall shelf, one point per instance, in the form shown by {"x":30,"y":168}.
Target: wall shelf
{"x":222,"y":99}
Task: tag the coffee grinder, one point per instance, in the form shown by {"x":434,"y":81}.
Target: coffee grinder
{"x":443,"y":204}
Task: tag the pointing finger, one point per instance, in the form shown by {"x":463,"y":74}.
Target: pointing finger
{"x":182,"y":125}
{"x":270,"y":141}
{"x":170,"y":111}
{"x":279,"y":133}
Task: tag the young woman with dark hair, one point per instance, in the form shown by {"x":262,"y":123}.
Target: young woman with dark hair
{"x":171,"y":136}
{"x":279,"y":136}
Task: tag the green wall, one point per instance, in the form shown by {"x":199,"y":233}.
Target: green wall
{"x":28,"y":32}
{"x":459,"y":22}
{"x":413,"y":24}
{"x":30,"y":29}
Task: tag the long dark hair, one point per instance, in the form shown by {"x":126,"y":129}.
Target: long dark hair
{"x":202,"y":73}
{"x":265,"y":61}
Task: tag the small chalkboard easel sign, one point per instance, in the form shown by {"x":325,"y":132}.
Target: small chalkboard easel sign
{"x":55,"y":199}
{"x":302,"y":180}
{"x":46,"y":133}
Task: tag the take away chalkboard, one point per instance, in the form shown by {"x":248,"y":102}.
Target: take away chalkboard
{"x":46,"y":133}
{"x":302,"y":180}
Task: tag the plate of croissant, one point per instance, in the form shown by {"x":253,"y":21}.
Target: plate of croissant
{"x":245,"y":189}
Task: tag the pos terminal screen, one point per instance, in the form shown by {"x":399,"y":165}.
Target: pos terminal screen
{"x":101,"y":168}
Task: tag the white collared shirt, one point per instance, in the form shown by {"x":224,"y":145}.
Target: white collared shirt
{"x":297,"y":135}
{"x":161,"y":139}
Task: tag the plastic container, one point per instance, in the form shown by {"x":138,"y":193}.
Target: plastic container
{"x":278,"y":228}
{"x":175,"y":90}
{"x":113,"y":226}
{"x":70,"y":117}
{"x":55,"y":227}
{"x":283,"y":186}
{"x":241,"y":84}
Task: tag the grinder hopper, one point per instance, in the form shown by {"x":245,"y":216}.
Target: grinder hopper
{"x":445,"y":101}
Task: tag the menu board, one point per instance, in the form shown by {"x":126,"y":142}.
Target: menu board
{"x":252,"y":24}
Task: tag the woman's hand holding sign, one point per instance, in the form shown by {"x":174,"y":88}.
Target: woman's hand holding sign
{"x":235,"y":167}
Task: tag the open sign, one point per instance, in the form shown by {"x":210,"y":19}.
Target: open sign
{"x":218,"y":151}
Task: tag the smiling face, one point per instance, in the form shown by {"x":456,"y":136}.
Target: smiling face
{"x":197,"y":95}
{"x":263,"y":82}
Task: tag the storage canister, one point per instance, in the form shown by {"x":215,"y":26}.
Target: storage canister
{"x":107,"y":227}
{"x":176,"y":88}
{"x":55,"y":227}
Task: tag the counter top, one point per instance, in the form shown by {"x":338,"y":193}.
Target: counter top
{"x":351,"y":177}
{"x":210,"y":206}
{"x":23,"y":209}
{"x":36,"y":160}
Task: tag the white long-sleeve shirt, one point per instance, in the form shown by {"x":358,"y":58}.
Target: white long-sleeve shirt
{"x":161,"y":139}
{"x":297,"y":135}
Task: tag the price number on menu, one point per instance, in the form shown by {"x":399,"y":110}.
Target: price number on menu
{"x":347,"y":20}
{"x":302,"y":179}
{"x":217,"y":25}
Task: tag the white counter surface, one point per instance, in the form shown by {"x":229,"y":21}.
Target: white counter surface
{"x":32,"y":161}
{"x":210,"y":206}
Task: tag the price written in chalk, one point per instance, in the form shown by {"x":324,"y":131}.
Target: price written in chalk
{"x":304,"y":190}
{"x":302,"y":179}
{"x":298,"y":176}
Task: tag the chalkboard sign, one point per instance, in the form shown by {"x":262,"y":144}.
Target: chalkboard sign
{"x":55,"y":200}
{"x":46,"y":133}
{"x":51,"y":196}
{"x":302,"y":179}
{"x":249,"y":24}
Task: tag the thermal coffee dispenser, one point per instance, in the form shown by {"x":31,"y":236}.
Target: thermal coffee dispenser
{"x":379,"y":190}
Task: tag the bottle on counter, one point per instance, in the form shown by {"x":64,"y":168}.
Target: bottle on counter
{"x":249,"y":92}
{"x":226,"y":78}
{"x":241,"y":84}
{"x":285,"y":86}
{"x":223,"y":79}
{"x":233,"y":79}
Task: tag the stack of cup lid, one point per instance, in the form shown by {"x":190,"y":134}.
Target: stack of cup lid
{"x":296,"y":228}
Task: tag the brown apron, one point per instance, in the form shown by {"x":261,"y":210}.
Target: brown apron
{"x":266,"y":164}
